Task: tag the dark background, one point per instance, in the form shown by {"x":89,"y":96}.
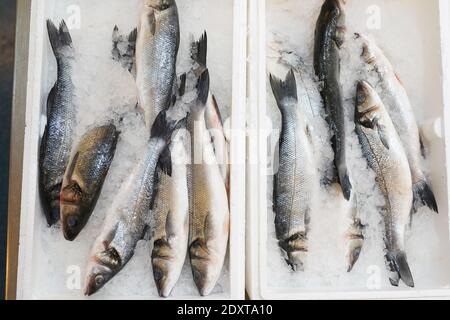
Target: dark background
{"x":7,"y":35}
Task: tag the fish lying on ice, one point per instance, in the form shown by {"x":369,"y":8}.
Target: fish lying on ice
{"x":127,"y":221}
{"x":329,"y":38}
{"x":399,"y":107}
{"x":294,"y":181}
{"x":385,"y":154}
{"x":56,"y":143}
{"x":84,"y":178}
{"x":210,"y":216}
{"x":171,"y":213}
{"x":157,"y":46}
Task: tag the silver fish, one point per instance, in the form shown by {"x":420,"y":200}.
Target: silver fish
{"x":399,"y":107}
{"x":84,"y":178}
{"x":385,"y":154}
{"x":293,"y":183}
{"x":128,"y":220}
{"x":56,"y":143}
{"x":156,"y":54}
{"x":329,"y":38}
{"x":210,"y":215}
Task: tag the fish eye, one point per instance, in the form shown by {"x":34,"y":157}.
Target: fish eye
{"x":197,"y":275}
{"x":158,"y":275}
{"x":99,"y":279}
{"x":72,"y":221}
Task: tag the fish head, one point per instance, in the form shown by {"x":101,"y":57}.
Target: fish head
{"x":102,"y":268}
{"x":50,"y":203}
{"x":369,"y":50}
{"x":160,"y":5}
{"x":165,"y":272}
{"x":204,"y":269}
{"x":73,"y":211}
{"x":368,"y":105}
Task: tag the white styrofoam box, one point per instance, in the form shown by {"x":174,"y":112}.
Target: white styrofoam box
{"x":429,"y":88}
{"x":38,"y":277}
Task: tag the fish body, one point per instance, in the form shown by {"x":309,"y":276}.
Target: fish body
{"x":210,"y":216}
{"x":56,"y":143}
{"x":329,"y":38}
{"x":171,"y":215}
{"x":293,"y":182}
{"x":399,"y":107}
{"x":128,"y":219}
{"x":384,"y":152}
{"x":156,"y":54}
{"x":84,"y":178}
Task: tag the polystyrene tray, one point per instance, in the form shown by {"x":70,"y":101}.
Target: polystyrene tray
{"x":31,"y":215}
{"x":437,"y":54}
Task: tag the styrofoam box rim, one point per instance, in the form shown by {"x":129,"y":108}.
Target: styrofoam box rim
{"x":256,"y":201}
{"x":32,"y":123}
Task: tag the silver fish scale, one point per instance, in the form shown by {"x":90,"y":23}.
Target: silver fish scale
{"x":292,"y":189}
{"x":157,"y":69}
{"x":96,"y":152}
{"x":394,"y":180}
{"x":134,"y":214}
{"x":61,"y":120}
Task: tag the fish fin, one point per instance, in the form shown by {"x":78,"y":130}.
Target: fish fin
{"x":383,"y":137}
{"x":165,"y":162}
{"x":146,"y":233}
{"x":423,"y":195}
{"x":51,"y":101}
{"x":164,"y":128}
{"x":152,"y":22}
{"x":199,"y":50}
{"x":182,"y":86}
{"x":72,"y":166}
{"x":155,"y":188}
{"x":398,"y":264}
{"x":60,"y":39}
{"x":423,"y":149}
{"x":339,"y":37}
{"x":203,"y":87}
{"x":346,"y":186}
{"x":286,"y":89}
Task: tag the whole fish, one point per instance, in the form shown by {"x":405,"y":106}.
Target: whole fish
{"x":84,"y":178}
{"x":329,"y":38}
{"x":171,"y":210}
{"x":156,"y":54}
{"x":400,"y":109}
{"x":384,"y":152}
{"x":293,"y":183}
{"x":171,"y":216}
{"x":210,"y":215}
{"x":56,"y":143}
{"x":127,"y":222}
{"x":213,"y":117}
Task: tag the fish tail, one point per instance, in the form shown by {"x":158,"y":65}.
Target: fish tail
{"x":199,"y":50}
{"x":286,"y":89}
{"x":60,"y":39}
{"x":423,"y":195}
{"x":163,"y":128}
{"x":398,"y":265}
